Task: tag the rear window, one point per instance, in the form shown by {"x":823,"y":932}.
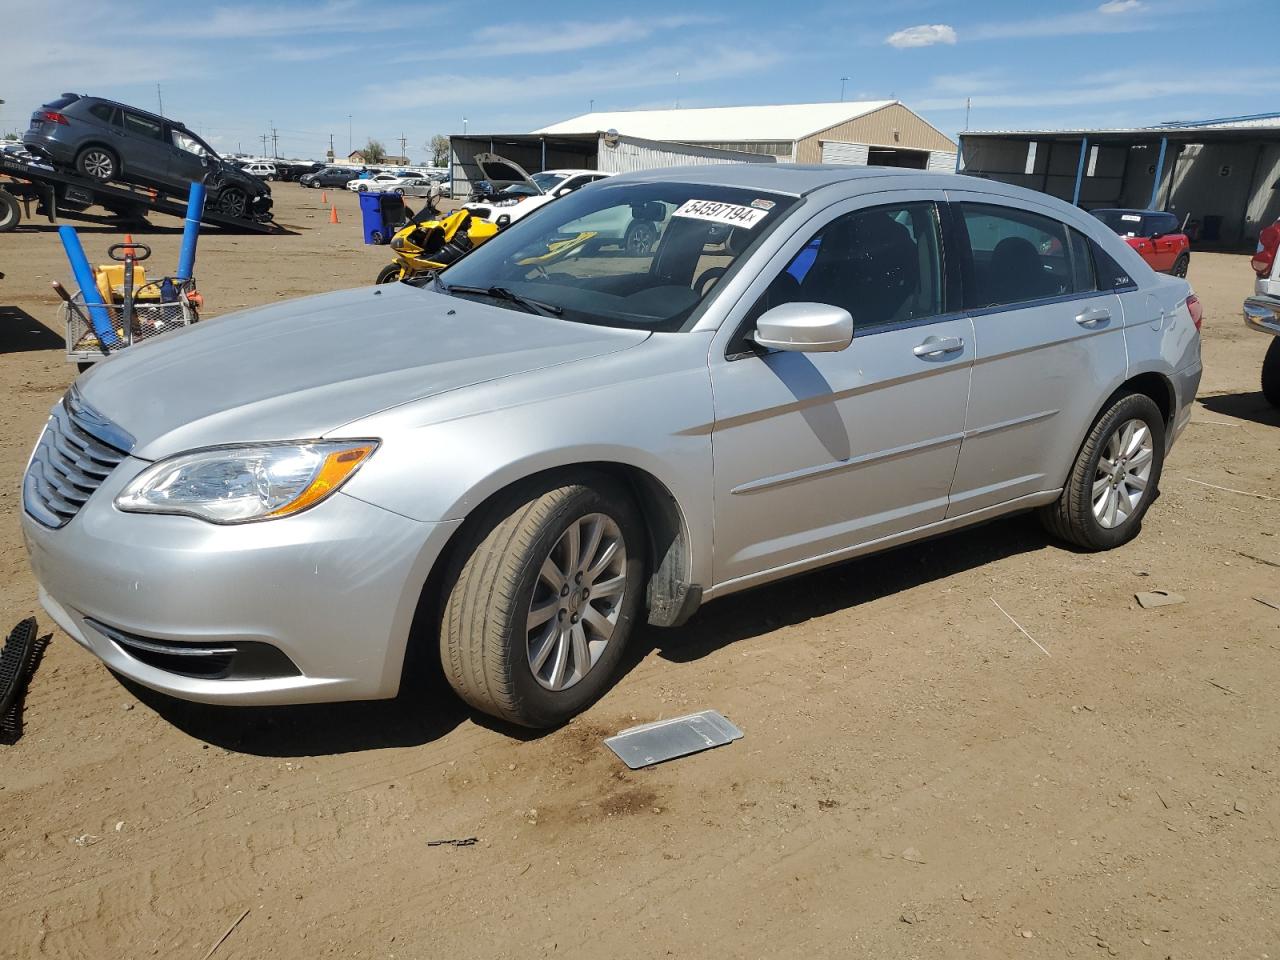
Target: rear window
{"x":1018,"y":256}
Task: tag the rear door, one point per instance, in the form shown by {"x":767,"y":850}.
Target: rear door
{"x":818,"y":453}
{"x":146,"y":149}
{"x":1046,"y":341}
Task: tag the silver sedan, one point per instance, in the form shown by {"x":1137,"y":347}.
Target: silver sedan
{"x":560,"y":436}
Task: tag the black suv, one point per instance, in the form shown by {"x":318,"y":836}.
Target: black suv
{"x":104,"y":140}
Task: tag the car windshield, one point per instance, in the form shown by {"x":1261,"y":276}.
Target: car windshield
{"x":1125,"y":223}
{"x":547,"y":181}
{"x":636,"y":255}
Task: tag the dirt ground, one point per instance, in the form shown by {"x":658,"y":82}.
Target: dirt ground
{"x":917,"y":778}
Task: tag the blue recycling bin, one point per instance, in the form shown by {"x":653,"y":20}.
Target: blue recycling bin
{"x":382,"y":214}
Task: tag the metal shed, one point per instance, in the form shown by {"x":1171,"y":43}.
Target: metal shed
{"x":1222,"y":175}
{"x":601,"y":150}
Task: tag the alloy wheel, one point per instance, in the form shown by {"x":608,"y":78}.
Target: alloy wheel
{"x":99,"y":165}
{"x":576,"y":601}
{"x":1123,"y":473}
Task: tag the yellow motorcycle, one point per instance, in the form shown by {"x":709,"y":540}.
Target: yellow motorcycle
{"x":419,"y":248}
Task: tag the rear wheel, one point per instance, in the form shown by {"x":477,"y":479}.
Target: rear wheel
{"x":97,"y":163}
{"x":10,"y":212}
{"x":1271,"y":373}
{"x":639,"y":238}
{"x":541,"y":600}
{"x":1180,"y":265}
{"x":1114,"y":478}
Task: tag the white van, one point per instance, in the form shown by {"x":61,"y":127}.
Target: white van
{"x":260,"y":169}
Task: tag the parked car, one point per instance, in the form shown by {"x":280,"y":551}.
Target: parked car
{"x":545,"y":443}
{"x":513,"y":193}
{"x":1157,"y":236}
{"x":105,"y":140}
{"x":416,"y":187}
{"x":377,"y":183}
{"x":1262,"y":310}
{"x":292,"y":171}
{"x":329,"y":177}
{"x":260,"y":169}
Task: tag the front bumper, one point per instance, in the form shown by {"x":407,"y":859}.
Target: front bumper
{"x":333,"y":589}
{"x":1263,"y":314}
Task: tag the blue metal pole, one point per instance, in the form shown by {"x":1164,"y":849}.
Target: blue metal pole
{"x":99,"y":315}
{"x":1155,"y":184}
{"x":191,"y":232}
{"x":1084,"y":147}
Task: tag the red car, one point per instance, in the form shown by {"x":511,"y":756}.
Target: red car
{"x":1157,"y":236}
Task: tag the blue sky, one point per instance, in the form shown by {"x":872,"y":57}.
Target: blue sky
{"x":230,"y":70}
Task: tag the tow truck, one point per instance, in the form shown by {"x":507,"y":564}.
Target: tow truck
{"x":60,"y":193}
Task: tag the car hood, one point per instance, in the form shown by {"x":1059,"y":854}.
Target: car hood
{"x":300,"y":369}
{"x":499,"y":170}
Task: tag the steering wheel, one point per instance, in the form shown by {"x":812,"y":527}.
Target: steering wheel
{"x":708,"y":276}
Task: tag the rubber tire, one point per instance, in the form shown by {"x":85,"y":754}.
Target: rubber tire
{"x":115,"y":164}
{"x":487,"y":591}
{"x":10,"y":213}
{"x":634,"y":229}
{"x":1271,"y":373}
{"x":391,"y":273}
{"x":1179,"y":268}
{"x":1070,"y":517}
{"x":223,"y":206}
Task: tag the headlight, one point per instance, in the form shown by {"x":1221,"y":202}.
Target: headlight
{"x":397,"y":242}
{"x":242,"y":484}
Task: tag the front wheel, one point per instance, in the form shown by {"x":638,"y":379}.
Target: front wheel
{"x":390,"y":273}
{"x":233,"y":202}
{"x":639,"y":238}
{"x":1271,"y":373}
{"x":1114,"y":478}
{"x":541,"y":599}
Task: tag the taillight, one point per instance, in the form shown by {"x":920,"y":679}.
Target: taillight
{"x":1196,"y":311}
{"x":1268,"y":243}
{"x":54,"y":117}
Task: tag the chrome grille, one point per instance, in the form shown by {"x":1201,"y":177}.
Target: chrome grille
{"x":77,"y":451}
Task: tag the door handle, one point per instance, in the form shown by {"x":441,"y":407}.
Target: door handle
{"x":1093,"y":317}
{"x":937,"y":346}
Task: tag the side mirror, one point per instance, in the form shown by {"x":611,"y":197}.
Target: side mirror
{"x":805,"y":328}
{"x":563,"y":192}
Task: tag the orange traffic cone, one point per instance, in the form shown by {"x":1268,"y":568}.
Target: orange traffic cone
{"x":128,"y":243}
{"x":324,"y":197}
{"x":333,"y":214}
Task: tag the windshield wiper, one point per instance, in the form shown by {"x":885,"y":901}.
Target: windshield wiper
{"x":504,"y":293}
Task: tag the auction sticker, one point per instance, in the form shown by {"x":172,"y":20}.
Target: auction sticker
{"x":730,"y":214}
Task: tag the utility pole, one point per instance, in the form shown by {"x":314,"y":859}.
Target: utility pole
{"x":331,"y":146}
{"x":159,"y":100}
{"x":264,"y":138}
{"x":464,"y":126}
{"x":275,"y":141}
{"x":404,"y":142}
{"x":968,"y":102}
{"x":591,"y":106}
{"x":842,"y":82}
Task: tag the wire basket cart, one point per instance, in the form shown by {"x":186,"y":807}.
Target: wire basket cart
{"x":150,"y":318}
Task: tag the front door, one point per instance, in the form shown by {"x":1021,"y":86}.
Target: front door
{"x":817,"y":453}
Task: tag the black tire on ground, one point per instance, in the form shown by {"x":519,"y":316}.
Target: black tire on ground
{"x":97,"y":163}
{"x":390,"y":273}
{"x":492,"y":582}
{"x":639,"y":238}
{"x":233,"y":202}
{"x":10,"y":212}
{"x":1271,"y":373}
{"x":1179,"y":268}
{"x":1071,"y":516}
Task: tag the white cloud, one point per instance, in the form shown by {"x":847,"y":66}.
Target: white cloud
{"x":1113,"y":7}
{"x":925,"y":35}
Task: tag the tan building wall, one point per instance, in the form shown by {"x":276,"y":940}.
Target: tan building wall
{"x":877,"y":129}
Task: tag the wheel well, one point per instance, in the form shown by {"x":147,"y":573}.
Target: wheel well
{"x":1153,"y":385}
{"x":669,"y":596}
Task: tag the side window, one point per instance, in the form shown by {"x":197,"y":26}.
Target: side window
{"x":102,"y":111}
{"x":1019,"y":256}
{"x":141,"y":126}
{"x":883,"y":265}
{"x":1083,"y":275}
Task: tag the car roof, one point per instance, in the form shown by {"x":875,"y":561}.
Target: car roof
{"x":132,"y":109}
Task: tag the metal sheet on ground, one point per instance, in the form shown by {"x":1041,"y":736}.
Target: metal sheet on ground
{"x":664,"y":740}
